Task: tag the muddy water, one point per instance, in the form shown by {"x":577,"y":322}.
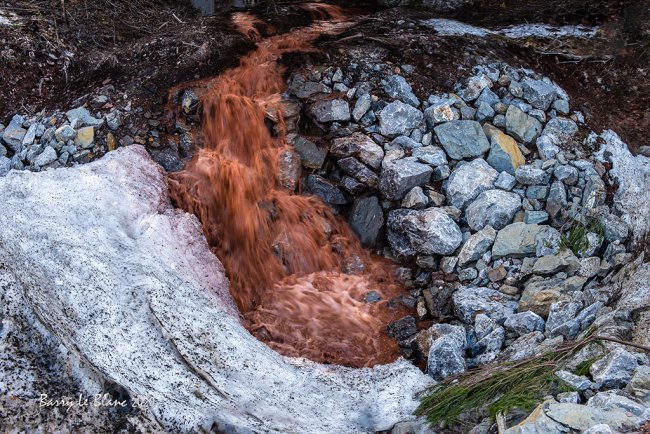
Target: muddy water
{"x":285,"y":254}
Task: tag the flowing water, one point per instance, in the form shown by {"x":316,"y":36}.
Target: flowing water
{"x":285,"y":254}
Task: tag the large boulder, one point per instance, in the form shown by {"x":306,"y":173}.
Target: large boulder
{"x":146,"y":312}
{"x":427,"y":232}
{"x":495,"y":208}
{"x":398,"y":118}
{"x":445,"y":358}
{"x":398,"y":177}
{"x":462,"y":139}
{"x":469,"y":180}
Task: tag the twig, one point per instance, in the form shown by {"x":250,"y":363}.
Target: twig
{"x":619,"y":341}
{"x":177,"y":19}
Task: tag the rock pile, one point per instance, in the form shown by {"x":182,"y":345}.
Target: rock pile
{"x":511,"y":232}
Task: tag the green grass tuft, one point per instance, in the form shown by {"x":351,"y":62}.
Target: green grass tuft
{"x":575,"y":238}
{"x":498,"y":388}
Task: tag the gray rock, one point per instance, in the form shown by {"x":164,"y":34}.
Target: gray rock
{"x":470,"y":301}
{"x":462,"y":139}
{"x":311,"y":155}
{"x":469,"y":113}
{"x":30,"y":136}
{"x":85,"y":117}
{"x":516,"y":89}
{"x":432,"y":155}
{"x":520,"y":240}
{"x":579,"y":383}
{"x":3,"y":150}
{"x":445,"y":358}
{"x":567,"y":174}
{"x":495,"y":208}
{"x":362,"y":106}
{"x":360,"y":146}
{"x":570,"y":397}
{"x":359,"y":171}
{"x":611,"y":400}
{"x":530,"y":175}
{"x":521,"y":126}
{"x":488,"y":97}
{"x":484,"y":112}
{"x":442,"y":111}
{"x":558,"y":131}
{"x":499,"y":121}
{"x":466,"y":274}
{"x":556,"y":204}
{"x":524,"y":322}
{"x":474,"y":87}
{"x":538,"y":192}
{"x":504,"y":154}
{"x":403,"y":328}
{"x":48,"y":156}
{"x":367,"y":220}
{"x":324,"y":189}
{"x":398,"y":118}
{"x":65,"y":133}
{"x":468,"y":181}
{"x":561,"y":106}
{"x":304,"y":89}
{"x":538,"y":114}
{"x":589,"y":267}
{"x":400,"y":176}
{"x":415,"y":199}
{"x":594,"y":193}
{"x":505,"y":181}
{"x":614,"y":228}
{"x":476,"y":246}
{"x":114,"y":120}
{"x":614,"y":370}
{"x":430,"y":231}
{"x":404,"y":142}
{"x":538,"y":93}
{"x":440,"y":173}
{"x":331,"y":110}
{"x":14,"y":133}
{"x":397,"y":87}
{"x":189,"y":103}
{"x":5,"y":165}
{"x":535,"y":217}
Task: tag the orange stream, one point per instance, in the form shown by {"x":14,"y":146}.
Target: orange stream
{"x":283,"y":252}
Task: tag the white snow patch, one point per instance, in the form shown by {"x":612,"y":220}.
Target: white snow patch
{"x":130,"y":287}
{"x":547,"y":31}
{"x":7,"y":18}
{"x":632,"y":174}
{"x":446,"y":27}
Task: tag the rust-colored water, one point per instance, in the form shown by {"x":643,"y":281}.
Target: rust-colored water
{"x":284,"y":253}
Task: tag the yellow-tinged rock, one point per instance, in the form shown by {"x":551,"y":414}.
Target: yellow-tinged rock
{"x":111,"y":142}
{"x":85,"y":138}
{"x":504,"y":154}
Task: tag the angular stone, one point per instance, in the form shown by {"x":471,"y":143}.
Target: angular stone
{"x":520,"y":240}
{"x":537,"y":192}
{"x":462,"y":139}
{"x":504,"y":155}
{"x":84,"y":116}
{"x":324,"y":189}
{"x":48,"y":156}
{"x":470,"y":301}
{"x":535,"y":217}
{"x":426,"y":337}
{"x":189,"y":103}
{"x":331,"y":110}
{"x":14,"y":133}
{"x":614,"y":370}
{"x":556,"y":204}
{"x":441,"y":111}
{"x":400,"y":176}
{"x":577,"y":382}
{"x":468,"y":181}
{"x":5,"y":165}
{"x":431,"y":155}
{"x":611,"y":400}
{"x":398,"y":118}
{"x":397,"y":87}
{"x":358,"y":145}
{"x":567,"y":174}
{"x":484,"y":112}
{"x":404,"y":142}
{"x":430,"y":231}
{"x":558,"y":131}
{"x":403,"y":328}
{"x":538,"y":93}
{"x":85,"y":138}
{"x":367,"y":220}
{"x":529,"y":175}
{"x":415,"y":199}
{"x":445,"y":358}
{"x":362,"y":106}
{"x":359,"y":171}
{"x":521,"y":126}
{"x":524,"y":322}
{"x":476,"y":246}
{"x":550,"y":264}
{"x":505,"y":181}
{"x":495,"y":208}
{"x":474,"y":87}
